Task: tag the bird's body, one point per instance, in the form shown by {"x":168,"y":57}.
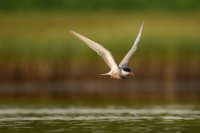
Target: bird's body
{"x":118,"y":72}
{"x":115,"y":73}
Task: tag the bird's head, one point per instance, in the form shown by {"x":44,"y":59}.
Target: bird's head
{"x":126,"y":71}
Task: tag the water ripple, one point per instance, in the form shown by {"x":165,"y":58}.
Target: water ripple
{"x":109,"y":114}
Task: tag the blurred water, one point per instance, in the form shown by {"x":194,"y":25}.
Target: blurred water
{"x":176,"y":118}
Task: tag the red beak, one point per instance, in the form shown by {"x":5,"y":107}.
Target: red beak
{"x":131,"y":73}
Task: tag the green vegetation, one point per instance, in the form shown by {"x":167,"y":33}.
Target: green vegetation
{"x":66,"y":5}
{"x":39,"y":34}
{"x":46,"y":35}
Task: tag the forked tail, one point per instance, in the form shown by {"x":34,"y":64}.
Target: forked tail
{"x":105,"y":74}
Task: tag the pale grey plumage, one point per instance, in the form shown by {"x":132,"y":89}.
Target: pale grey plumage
{"x":99,"y":49}
{"x":126,"y":59}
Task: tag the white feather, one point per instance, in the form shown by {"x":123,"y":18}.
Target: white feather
{"x":126,"y":59}
{"x":99,"y":49}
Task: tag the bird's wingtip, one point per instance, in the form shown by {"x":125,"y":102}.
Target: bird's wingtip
{"x":142,"y":22}
{"x":70,"y":31}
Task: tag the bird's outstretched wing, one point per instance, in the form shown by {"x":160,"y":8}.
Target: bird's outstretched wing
{"x":126,"y":59}
{"x":99,"y":49}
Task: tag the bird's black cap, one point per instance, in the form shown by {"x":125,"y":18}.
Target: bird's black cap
{"x":127,"y":69}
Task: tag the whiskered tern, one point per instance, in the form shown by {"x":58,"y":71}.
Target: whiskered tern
{"x":118,"y":72}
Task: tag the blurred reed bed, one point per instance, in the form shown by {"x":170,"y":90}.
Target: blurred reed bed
{"x":100,"y":92}
{"x":38,"y":46}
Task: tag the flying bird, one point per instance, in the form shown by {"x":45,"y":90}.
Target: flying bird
{"x":118,"y":72}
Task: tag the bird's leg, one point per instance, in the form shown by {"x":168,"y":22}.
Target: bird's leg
{"x":111,"y":77}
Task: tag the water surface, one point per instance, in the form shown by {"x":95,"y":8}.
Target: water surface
{"x":169,"y":118}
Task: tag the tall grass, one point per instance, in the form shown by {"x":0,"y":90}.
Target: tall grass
{"x":40,"y":42}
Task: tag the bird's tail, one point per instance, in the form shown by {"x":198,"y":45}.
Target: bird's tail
{"x":106,"y":73}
